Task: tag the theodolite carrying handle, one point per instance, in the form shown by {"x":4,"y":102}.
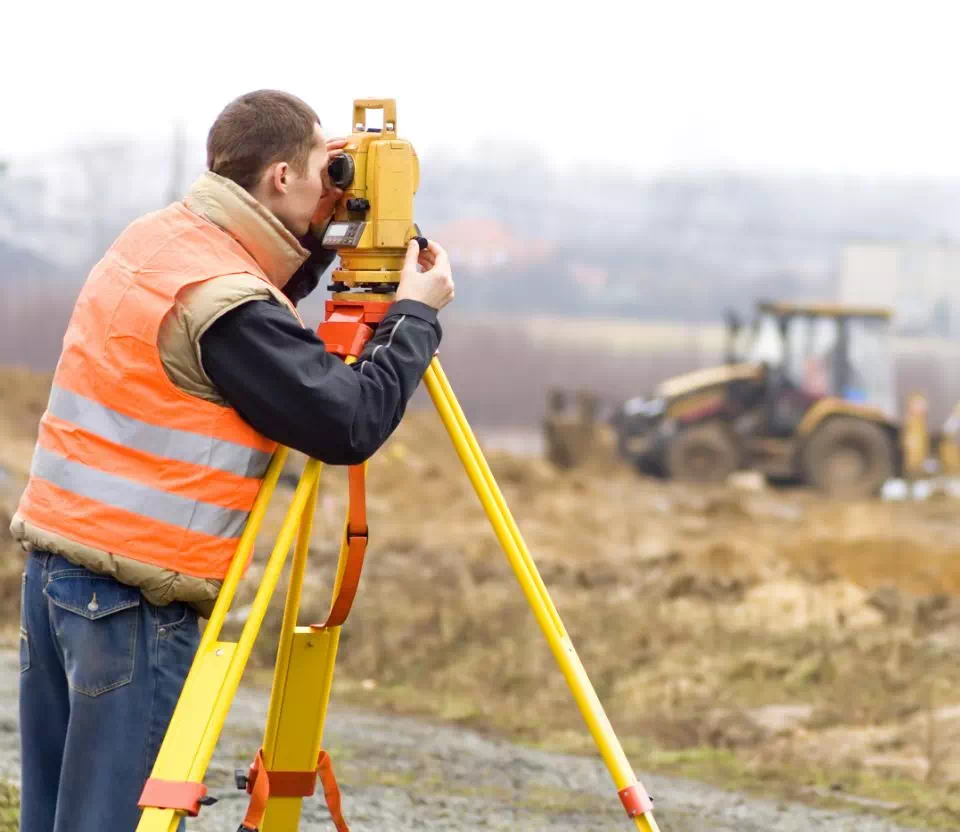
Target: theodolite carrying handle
{"x":389,"y":107}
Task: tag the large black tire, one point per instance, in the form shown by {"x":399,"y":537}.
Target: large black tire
{"x":702,"y":453}
{"x":848,"y":457}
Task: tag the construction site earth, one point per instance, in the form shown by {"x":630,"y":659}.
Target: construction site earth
{"x":797,"y":652}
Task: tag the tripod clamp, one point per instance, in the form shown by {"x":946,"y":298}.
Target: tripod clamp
{"x":350,"y":322}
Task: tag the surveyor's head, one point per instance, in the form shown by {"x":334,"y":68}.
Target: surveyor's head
{"x":271,"y":144}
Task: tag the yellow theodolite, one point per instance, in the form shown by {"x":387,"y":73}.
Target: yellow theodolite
{"x":373,"y":223}
{"x":372,"y":226}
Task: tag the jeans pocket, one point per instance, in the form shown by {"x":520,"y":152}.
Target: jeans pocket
{"x":96,"y":620}
{"x":24,"y":637}
{"x":178,"y":642}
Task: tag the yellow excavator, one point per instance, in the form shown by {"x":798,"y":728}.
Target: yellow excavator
{"x":806,"y":394}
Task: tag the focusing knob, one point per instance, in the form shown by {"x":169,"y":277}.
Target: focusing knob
{"x":359,"y":206}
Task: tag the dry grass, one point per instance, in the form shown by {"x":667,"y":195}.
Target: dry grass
{"x":799,"y":636}
{"x":9,"y":808}
{"x":23,"y":398}
{"x":772,"y":634}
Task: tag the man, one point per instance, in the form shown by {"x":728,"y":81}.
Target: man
{"x":184,"y":364}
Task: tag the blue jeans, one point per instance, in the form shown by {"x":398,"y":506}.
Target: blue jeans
{"x":100,"y":673}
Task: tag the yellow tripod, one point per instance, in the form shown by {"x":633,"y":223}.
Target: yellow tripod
{"x":290,"y":759}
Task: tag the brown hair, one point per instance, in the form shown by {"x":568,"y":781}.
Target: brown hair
{"x":258,"y":129}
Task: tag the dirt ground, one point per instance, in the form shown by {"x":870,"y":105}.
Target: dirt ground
{"x":405,"y":774}
{"x":764,"y":639}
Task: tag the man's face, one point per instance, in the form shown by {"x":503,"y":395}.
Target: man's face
{"x":296,"y":198}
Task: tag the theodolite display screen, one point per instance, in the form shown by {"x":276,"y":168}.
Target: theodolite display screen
{"x":343,"y":234}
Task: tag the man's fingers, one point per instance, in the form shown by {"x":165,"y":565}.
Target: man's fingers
{"x":427,"y":260}
{"x":438,"y":252}
{"x":336,"y":144}
{"x":437,"y":256}
{"x":413,"y":252}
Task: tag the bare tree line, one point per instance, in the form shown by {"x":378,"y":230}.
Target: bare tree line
{"x":675,"y":246}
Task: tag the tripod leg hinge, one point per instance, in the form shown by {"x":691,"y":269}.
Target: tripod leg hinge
{"x":636,"y":800}
{"x":182,"y":795}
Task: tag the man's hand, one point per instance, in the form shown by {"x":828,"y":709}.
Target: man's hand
{"x":432,"y":286}
{"x":305,"y":279}
{"x":331,"y":194}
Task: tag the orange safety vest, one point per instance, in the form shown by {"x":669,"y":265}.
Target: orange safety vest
{"x":126,"y":462}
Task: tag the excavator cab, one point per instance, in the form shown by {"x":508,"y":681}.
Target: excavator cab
{"x":806,"y":393}
{"x":816,"y":352}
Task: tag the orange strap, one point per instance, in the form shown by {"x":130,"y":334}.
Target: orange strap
{"x":263,"y":784}
{"x":331,"y":791}
{"x":259,"y":790}
{"x":357,"y":536}
{"x":172,"y":794}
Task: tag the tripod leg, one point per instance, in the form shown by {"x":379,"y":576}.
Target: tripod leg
{"x":290,"y":610}
{"x":632,"y":794}
{"x":244,"y":550}
{"x":501,"y":503}
{"x":303,"y":679}
{"x":291,"y":755}
{"x":216,"y":671}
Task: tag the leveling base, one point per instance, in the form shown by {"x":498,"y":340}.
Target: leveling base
{"x":291,"y":760}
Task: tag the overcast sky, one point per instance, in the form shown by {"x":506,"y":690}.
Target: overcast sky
{"x":827,"y":86}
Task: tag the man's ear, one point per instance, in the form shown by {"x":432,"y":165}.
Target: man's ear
{"x":281,"y":177}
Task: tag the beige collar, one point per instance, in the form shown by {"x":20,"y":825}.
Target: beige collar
{"x":253,"y":225}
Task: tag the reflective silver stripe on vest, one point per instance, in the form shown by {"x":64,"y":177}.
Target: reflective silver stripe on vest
{"x":137,"y":498}
{"x":171,"y":443}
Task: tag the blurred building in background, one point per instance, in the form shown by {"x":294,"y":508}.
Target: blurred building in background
{"x":919,"y":281}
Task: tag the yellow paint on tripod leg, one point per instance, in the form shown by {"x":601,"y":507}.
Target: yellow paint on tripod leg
{"x":207,"y":673}
{"x":474,"y":446}
{"x":647,"y":823}
{"x":244,"y":548}
{"x":209,"y":688}
{"x":303,"y":680}
{"x":306,"y":657}
{"x":198,"y":721}
{"x":299,"y":730}
{"x":298,"y":713}
{"x":268,"y":583}
{"x":291,"y":609}
{"x":535,"y":591}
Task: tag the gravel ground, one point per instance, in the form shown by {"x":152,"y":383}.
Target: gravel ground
{"x":403,"y":774}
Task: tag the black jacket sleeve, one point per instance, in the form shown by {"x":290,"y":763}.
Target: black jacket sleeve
{"x":281,"y":380}
{"x":306,"y":278}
